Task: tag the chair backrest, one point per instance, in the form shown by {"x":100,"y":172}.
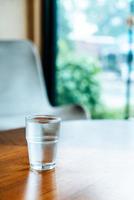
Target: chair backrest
{"x":22,"y":89}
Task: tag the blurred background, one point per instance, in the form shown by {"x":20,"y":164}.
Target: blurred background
{"x":86,"y":48}
{"x":92,"y":66}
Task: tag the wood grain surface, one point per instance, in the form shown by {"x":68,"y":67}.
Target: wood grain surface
{"x":95,"y":161}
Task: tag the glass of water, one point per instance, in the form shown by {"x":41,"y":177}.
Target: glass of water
{"x":42,"y":134}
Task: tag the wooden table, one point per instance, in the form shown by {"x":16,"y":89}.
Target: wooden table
{"x":95,"y":162}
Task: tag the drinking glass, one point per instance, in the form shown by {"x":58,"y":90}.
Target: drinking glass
{"x":42,"y":135}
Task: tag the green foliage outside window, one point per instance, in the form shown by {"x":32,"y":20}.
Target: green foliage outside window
{"x":77,"y":79}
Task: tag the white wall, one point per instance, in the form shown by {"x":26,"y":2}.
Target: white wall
{"x":13,"y":19}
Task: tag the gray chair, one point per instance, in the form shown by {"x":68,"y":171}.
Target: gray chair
{"x":22,"y":87}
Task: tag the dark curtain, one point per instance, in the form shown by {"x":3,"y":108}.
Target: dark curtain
{"x":49,"y":38}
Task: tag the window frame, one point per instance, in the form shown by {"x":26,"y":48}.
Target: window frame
{"x":49,"y":46}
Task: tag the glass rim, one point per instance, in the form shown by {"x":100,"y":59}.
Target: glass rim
{"x":37,"y":118}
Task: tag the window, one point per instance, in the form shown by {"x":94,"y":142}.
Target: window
{"x":93,"y":45}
